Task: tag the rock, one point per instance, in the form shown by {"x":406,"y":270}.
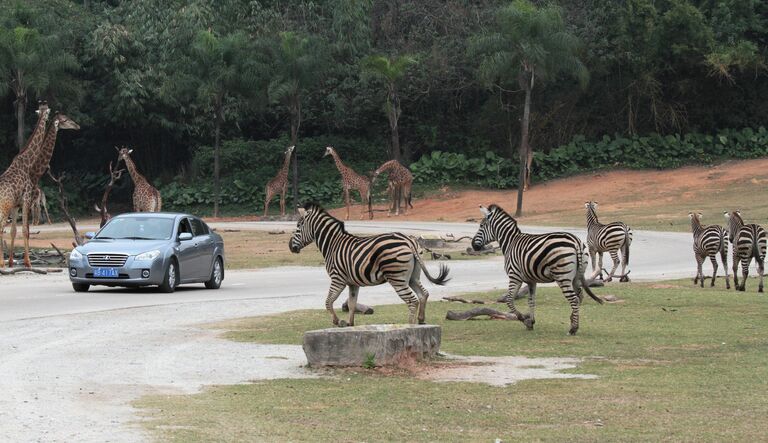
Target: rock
{"x":390,"y":344}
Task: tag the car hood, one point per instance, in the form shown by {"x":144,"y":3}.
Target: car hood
{"x":130,"y":247}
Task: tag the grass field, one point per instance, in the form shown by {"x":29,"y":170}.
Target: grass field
{"x":674,"y":363}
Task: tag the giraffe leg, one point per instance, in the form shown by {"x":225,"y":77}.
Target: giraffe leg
{"x":269,"y":195}
{"x":352,"y":303}
{"x":346,"y":200}
{"x":713,"y":259}
{"x":566,"y":286}
{"x":25,"y":231}
{"x":282,"y":200}
{"x":333,"y":293}
{"x":12,"y":245}
{"x":404,"y":292}
{"x":3,"y":219}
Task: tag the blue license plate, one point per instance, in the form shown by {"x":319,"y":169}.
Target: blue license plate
{"x":105,"y":272}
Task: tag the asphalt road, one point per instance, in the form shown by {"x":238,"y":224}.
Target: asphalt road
{"x":71,"y":363}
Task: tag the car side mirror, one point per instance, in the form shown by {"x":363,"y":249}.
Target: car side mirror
{"x":90,"y":235}
{"x":184,"y":236}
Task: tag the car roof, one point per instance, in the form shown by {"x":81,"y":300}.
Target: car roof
{"x":154,"y":215}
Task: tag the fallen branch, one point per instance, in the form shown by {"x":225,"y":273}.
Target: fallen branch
{"x":359,"y":308}
{"x":63,"y":258}
{"x":33,"y":270}
{"x":275,"y":232}
{"x":452,"y":239}
{"x":523,"y":292}
{"x":464,"y":300}
{"x":477,"y":312}
{"x":488,"y":251}
{"x":439,"y":256}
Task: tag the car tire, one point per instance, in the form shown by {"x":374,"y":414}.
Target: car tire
{"x":171,"y":278}
{"x":217,"y":275}
{"x":81,"y":287}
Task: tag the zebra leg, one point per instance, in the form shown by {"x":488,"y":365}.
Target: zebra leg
{"x":724,"y":259}
{"x":760,"y":268}
{"x":600,"y":266}
{"x":566,"y":286}
{"x":735,"y":258}
{"x":514,"y":287}
{"x":595,"y":269}
{"x":615,"y":257}
{"x":713,"y":259}
{"x":699,"y":262}
{"x":333,"y":293}
{"x":352,"y":303}
{"x":530,"y":319}
{"x":405,"y":294}
{"x":421,"y":292}
{"x":744,"y":273}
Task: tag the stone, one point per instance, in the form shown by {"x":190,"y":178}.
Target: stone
{"x":390,"y":344}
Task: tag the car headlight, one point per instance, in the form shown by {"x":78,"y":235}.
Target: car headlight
{"x":148,"y":256}
{"x":75,"y":255}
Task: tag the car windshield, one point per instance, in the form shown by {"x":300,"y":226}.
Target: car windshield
{"x":138,"y":228}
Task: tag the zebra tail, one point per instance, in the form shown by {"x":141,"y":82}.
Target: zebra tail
{"x":442,"y":276}
{"x":584,"y":284}
{"x":627,"y":241}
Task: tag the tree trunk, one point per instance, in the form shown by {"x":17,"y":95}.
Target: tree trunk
{"x":216,"y":163}
{"x":295,"y":125}
{"x":524,"y":145}
{"x":394,"y":116}
{"x":21,"y":109}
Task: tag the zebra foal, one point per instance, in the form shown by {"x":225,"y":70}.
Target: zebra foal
{"x":529,"y":258}
{"x":748,"y":242}
{"x":708,"y":241}
{"x":353,"y":261}
{"x":610,"y":238}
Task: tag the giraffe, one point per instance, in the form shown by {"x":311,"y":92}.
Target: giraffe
{"x":351,"y":180}
{"x":145,"y":197}
{"x":279,"y":184}
{"x":398,"y":184}
{"x":15,"y":184}
{"x":35,"y":159}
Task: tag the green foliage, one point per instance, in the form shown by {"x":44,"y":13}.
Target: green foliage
{"x":370,"y":361}
{"x":490,"y":170}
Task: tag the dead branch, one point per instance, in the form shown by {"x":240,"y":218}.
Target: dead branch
{"x":464,"y":300}
{"x":450,"y":238}
{"x":523,"y":292}
{"x":33,"y":270}
{"x":488,"y":251}
{"x":359,"y":308}
{"x":477,"y":312}
{"x":63,"y":258}
{"x":114,"y":176}
{"x":64,"y":206}
{"x":275,"y":232}
{"x":439,"y":256}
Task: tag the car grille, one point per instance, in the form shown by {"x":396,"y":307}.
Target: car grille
{"x":107,"y":260}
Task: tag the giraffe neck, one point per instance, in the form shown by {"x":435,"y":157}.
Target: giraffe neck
{"x":26,"y":158}
{"x":44,"y":153}
{"x":39,"y":132}
{"x":286,"y":164}
{"x":339,"y":164}
{"x":138,"y":179}
{"x":386,"y":167}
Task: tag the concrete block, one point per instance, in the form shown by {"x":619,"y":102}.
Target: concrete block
{"x":390,"y":344}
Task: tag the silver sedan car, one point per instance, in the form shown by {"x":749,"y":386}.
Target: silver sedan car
{"x":145,"y":249}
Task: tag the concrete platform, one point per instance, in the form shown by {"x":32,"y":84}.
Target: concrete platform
{"x":390,"y":344}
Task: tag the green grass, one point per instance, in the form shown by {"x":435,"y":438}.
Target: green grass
{"x":674,"y":363}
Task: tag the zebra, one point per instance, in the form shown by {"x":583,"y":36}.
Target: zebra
{"x":607,"y":238}
{"x":708,"y":241}
{"x":532,"y":259}
{"x":353,"y":261}
{"x":747,"y":242}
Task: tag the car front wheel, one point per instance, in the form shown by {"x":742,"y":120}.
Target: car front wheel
{"x":171,"y":279}
{"x":81,"y":287}
{"x":217,"y":275}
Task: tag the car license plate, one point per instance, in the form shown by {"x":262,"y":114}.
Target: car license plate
{"x":105,"y":272}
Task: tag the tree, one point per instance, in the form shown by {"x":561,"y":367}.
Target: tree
{"x":391,"y":70}
{"x":31,"y":62}
{"x":220,"y":70}
{"x":297,"y":63}
{"x":527,"y":43}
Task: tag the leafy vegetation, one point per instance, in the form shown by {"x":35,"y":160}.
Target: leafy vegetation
{"x":690,"y":362}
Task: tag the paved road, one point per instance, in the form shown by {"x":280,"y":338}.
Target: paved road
{"x":70,"y":364}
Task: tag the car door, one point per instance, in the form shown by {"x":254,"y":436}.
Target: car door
{"x":205,"y":247}
{"x":188,"y":253}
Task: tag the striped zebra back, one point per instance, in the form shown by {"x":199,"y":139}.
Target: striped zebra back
{"x":707,"y":240}
{"x":748,"y":240}
{"x":605,"y":238}
{"x":534,"y":257}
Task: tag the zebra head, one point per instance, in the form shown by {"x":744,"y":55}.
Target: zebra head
{"x":485,"y":234}
{"x":304,"y":234}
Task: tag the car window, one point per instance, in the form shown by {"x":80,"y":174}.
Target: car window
{"x":184,"y":226}
{"x":137,"y":228}
{"x":198,"y":227}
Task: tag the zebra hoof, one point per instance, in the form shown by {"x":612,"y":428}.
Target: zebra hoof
{"x":573,"y":331}
{"x":342,"y":324}
{"x":760,"y":290}
{"x":529,"y":323}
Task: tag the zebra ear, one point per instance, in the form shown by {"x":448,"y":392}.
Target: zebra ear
{"x":302,"y":212}
{"x":484,"y":211}
{"x":690,"y":214}
{"x":726,"y":214}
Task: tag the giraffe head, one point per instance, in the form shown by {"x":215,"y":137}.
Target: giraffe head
{"x":64,"y":122}
{"x":123,"y":153}
{"x":329,"y":151}
{"x":42,"y":109}
{"x":289,"y":150}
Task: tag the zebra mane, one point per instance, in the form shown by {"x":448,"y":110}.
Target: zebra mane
{"x":312,"y":206}
{"x":496,"y":208}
